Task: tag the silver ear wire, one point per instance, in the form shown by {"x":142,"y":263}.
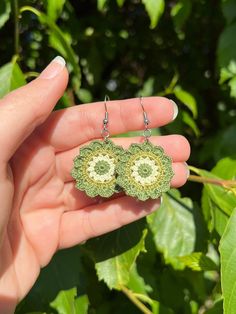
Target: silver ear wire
{"x":104,"y":132}
{"x":147,"y":132}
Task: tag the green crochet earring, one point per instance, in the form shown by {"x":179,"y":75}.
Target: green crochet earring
{"x":95,"y":167}
{"x":144,"y":171}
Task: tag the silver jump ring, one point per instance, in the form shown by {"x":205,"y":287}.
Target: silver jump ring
{"x":105,"y":134}
{"x":147,"y":133}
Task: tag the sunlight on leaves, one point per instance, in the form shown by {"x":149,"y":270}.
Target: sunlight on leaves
{"x":228,"y":265}
{"x":155,"y":9}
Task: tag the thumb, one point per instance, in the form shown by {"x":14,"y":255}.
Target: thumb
{"x":27,"y":107}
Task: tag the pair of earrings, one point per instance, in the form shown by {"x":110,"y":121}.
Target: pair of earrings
{"x":142,"y":171}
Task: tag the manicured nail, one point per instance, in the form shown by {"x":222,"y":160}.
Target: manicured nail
{"x":176,"y":110}
{"x":53,"y":69}
{"x":187,"y":170}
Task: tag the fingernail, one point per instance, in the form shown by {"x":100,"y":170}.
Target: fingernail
{"x":176,"y":110}
{"x":187,"y":170}
{"x":54,"y":68}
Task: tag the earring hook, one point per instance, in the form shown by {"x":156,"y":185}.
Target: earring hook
{"x":107,"y":98}
{"x":104,"y":131}
{"x":147,"y":132}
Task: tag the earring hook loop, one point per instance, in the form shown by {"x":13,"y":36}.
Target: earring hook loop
{"x":147,"y":132}
{"x":104,"y":132}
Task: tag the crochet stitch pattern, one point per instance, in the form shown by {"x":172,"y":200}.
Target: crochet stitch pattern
{"x":144,"y":171}
{"x":95,"y":168}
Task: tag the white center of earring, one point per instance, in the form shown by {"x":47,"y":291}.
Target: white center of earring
{"x":145,"y":171}
{"x":101,"y":168}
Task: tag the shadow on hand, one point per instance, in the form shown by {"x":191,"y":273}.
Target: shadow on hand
{"x":7,"y":304}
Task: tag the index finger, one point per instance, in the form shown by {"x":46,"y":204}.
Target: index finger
{"x":68,"y":128}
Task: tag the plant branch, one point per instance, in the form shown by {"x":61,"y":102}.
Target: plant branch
{"x":169,"y":89}
{"x":31,"y":74}
{"x":135,"y":300}
{"x":16,"y":25}
{"x":223,"y":183}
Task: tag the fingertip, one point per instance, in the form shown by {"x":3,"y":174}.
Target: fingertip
{"x":56,"y":73}
{"x":54,"y":68}
{"x":175,"y":109}
{"x":160,"y":110}
{"x":181,"y":174}
{"x":180,"y":145}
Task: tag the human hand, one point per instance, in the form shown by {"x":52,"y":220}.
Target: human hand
{"x":41,"y":211}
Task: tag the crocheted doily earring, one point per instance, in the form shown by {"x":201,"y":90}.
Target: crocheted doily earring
{"x":144,"y":171}
{"x":95,"y":167}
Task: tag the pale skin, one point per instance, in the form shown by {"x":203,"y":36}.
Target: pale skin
{"x":40,"y":210}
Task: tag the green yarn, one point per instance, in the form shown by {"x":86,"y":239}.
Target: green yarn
{"x":95,"y":168}
{"x":102,"y":167}
{"x":144,"y":171}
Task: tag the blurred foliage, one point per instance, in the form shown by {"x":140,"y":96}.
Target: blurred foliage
{"x":182,"y":49}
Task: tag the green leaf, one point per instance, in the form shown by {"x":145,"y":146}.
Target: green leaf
{"x":54,"y":8}
{"x":232,"y":85}
{"x":82,"y":304}
{"x":228,"y":72}
{"x":180,"y":12}
{"x":229,"y":10}
{"x":187,"y":99}
{"x":120,"y":2}
{"x":85,"y":95}
{"x":137,"y":285}
{"x":65,"y":273}
{"x":226,"y":144}
{"x":226,"y":50}
{"x":216,"y":309}
{"x":59,"y":36}
{"x":187,"y":119}
{"x":65,"y":302}
{"x":5,"y":10}
{"x":147,"y":88}
{"x":223,"y":198}
{"x":101,"y":4}
{"x":56,"y":43}
{"x":11,"y":77}
{"x":155,"y":9}
{"x":228,"y":265}
{"x":198,"y":261}
{"x":212,"y":210}
{"x":136,"y":282}
{"x":225,"y":75}
{"x":214,"y":216}
{"x":166,"y":224}
{"x":226,"y":168}
{"x":116,"y":252}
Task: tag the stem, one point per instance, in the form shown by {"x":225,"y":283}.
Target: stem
{"x":224,"y":183}
{"x":16,"y":22}
{"x":31,"y":74}
{"x":135,"y":300}
{"x":169,"y":90}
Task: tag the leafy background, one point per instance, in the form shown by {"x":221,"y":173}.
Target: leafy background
{"x":182,"y":258}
